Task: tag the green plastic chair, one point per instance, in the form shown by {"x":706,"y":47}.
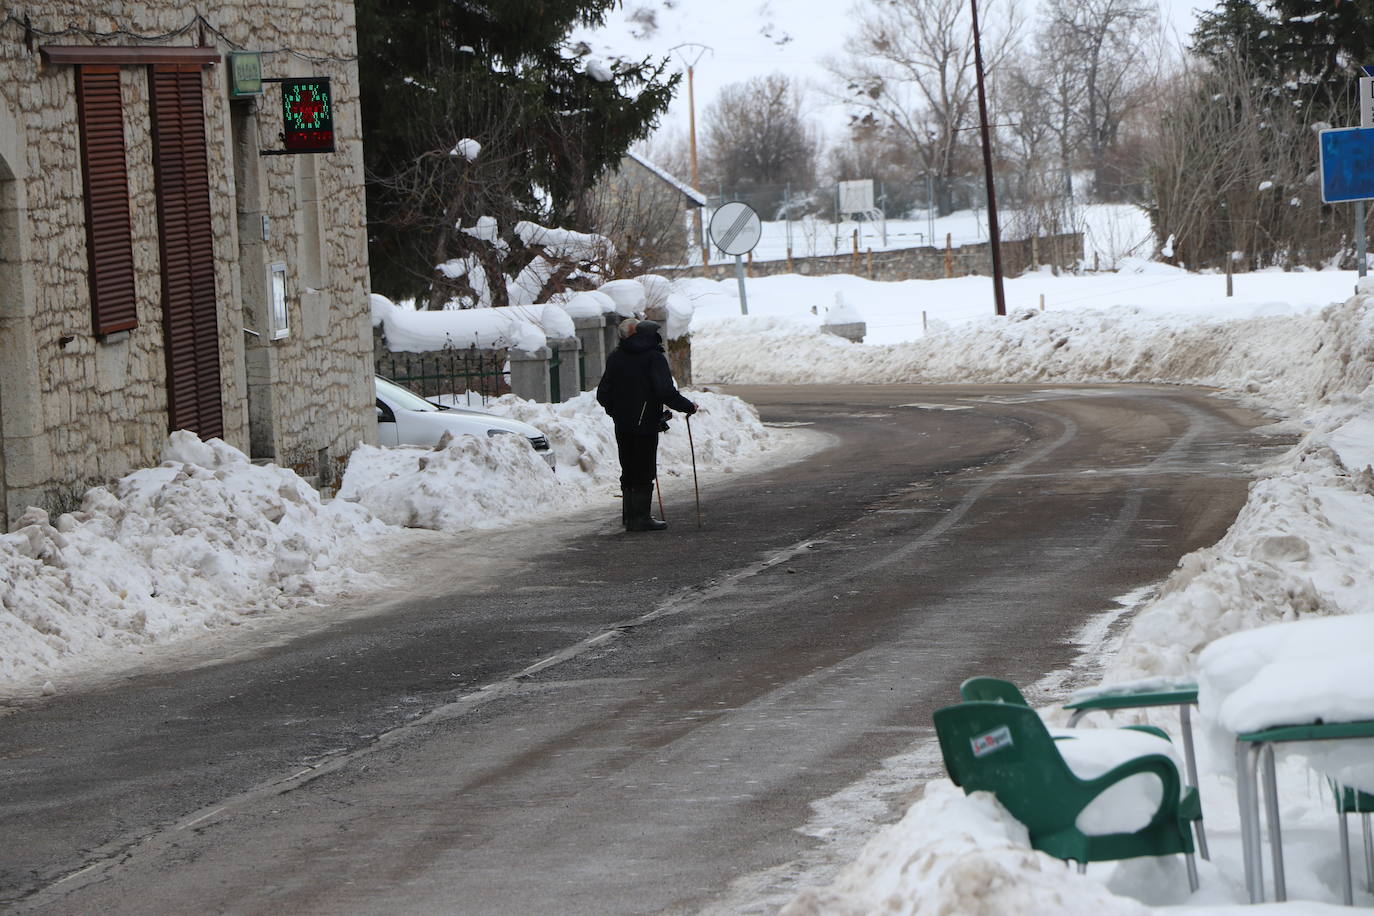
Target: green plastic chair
{"x":996,"y":690}
{"x":1005,"y":749}
{"x":991,"y":690}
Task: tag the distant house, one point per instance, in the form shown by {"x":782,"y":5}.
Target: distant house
{"x":157,"y":270}
{"x":646,"y":211}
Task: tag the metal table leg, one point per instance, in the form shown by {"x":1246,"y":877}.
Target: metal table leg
{"x":1347,"y":888}
{"x":1271,"y":804}
{"x":1247,"y":800}
{"x":1190,"y":760}
{"x":1368,"y":852}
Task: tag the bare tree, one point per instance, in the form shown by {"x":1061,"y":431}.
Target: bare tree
{"x":909,"y":70}
{"x":1230,"y":166}
{"x":755,"y":137}
{"x":1035,"y":172}
{"x":1098,"y":65}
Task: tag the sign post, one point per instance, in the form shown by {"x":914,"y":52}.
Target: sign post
{"x":736,"y":229}
{"x":1366,"y":90}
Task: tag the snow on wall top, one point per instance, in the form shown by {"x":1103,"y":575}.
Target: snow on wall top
{"x":408,"y":330}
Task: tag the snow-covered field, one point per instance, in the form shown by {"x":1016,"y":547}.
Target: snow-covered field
{"x":1111,"y":232}
{"x":206,"y":541}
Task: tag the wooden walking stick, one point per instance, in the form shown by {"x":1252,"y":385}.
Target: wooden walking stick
{"x":661,"y":514}
{"x":695,"y":487}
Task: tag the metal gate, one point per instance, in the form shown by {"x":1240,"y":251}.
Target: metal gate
{"x":447,"y":373}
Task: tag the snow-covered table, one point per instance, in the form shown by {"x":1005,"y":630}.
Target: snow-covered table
{"x":1306,"y":684}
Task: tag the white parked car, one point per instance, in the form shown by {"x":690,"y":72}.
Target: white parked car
{"x":405,"y":418}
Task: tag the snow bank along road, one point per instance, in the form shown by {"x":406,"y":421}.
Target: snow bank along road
{"x":605,"y":723}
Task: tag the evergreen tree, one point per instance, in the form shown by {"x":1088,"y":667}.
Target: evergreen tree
{"x":548,"y":120}
{"x":1307,"y":53}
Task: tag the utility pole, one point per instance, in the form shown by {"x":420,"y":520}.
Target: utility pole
{"x":994,"y":237}
{"x":691,"y":56}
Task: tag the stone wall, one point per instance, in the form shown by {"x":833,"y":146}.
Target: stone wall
{"x":927,"y":263}
{"x":75,"y":409}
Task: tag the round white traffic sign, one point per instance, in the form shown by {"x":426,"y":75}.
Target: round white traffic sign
{"x":736,"y":228}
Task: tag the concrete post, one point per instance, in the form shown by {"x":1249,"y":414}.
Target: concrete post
{"x":569,"y":349}
{"x":612,"y":332}
{"x":529,"y":374}
{"x":591,"y":332}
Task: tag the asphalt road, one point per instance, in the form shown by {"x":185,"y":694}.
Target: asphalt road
{"x":571,"y":719}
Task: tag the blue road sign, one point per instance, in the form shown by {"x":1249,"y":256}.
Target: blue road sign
{"x":1347,"y":157}
{"x":1368,"y":71}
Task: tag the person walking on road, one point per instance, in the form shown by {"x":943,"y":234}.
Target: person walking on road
{"x":635,"y":388}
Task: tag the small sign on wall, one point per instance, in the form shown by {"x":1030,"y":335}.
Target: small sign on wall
{"x":245,"y":74}
{"x":278,"y":319}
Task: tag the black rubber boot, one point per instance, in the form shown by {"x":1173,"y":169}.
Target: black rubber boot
{"x":625,"y":506}
{"x":640,"y":499}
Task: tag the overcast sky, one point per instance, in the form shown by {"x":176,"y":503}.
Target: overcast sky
{"x":755,"y":37}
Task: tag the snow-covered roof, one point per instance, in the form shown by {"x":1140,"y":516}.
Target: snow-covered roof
{"x":694,"y":197}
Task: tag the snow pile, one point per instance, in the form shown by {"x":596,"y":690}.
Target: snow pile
{"x":465,"y":482}
{"x":408,"y":330}
{"x":474,"y":482}
{"x":1299,"y":548}
{"x":842,"y":312}
{"x":951,"y":854}
{"x":1289,"y":361}
{"x":200,"y":542}
{"x":910,"y":310}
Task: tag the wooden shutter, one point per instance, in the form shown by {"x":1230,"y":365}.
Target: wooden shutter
{"x":109,"y":237}
{"x":190,"y":324}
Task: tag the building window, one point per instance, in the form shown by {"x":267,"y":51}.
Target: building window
{"x":186,"y":235}
{"x":109,"y":236}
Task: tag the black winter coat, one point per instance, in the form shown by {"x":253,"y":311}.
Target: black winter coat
{"x":637,"y":385}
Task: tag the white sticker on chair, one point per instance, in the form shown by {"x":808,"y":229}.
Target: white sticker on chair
{"x":991,"y":741}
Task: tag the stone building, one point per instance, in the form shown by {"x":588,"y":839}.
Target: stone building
{"x":157,"y":270}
